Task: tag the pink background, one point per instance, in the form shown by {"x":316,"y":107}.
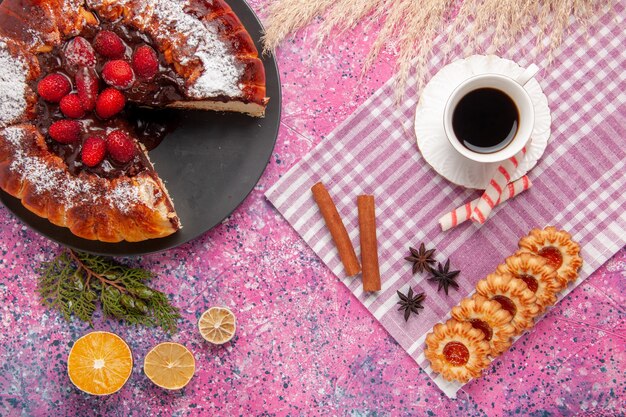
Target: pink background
{"x":304,"y":345}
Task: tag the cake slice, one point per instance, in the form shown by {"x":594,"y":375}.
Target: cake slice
{"x":206,"y":44}
{"x":71,"y":72}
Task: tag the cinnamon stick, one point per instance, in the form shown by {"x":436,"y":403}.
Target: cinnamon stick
{"x":337,"y":229}
{"x":369,"y":243}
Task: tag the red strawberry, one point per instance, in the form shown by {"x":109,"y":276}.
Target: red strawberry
{"x":65,"y":131}
{"x":54,"y":87}
{"x":118,"y":74}
{"x":108,"y":44}
{"x":120,"y":146}
{"x":71,"y":106}
{"x":110,"y":102}
{"x":145,"y":62}
{"x":79,"y":53}
{"x":94,"y":150}
{"x":87,"y":86}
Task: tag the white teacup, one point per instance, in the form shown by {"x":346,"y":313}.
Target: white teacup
{"x":514,"y":89}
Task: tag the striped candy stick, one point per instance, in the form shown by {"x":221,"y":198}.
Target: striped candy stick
{"x":464,"y":213}
{"x":495,"y":188}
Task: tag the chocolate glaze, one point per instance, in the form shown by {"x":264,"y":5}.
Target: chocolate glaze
{"x":149,"y":127}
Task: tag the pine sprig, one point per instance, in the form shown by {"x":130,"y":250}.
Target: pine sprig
{"x":74,"y":282}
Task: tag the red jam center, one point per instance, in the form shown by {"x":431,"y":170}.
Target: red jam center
{"x":553,"y":255}
{"x":482,"y":326}
{"x":506,"y":303}
{"x":456,"y":353}
{"x":530,"y":281}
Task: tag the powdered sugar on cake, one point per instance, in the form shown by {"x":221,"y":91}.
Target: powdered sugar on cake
{"x":124,"y":196}
{"x":222,"y":72}
{"x":12,"y":103}
{"x":12,"y":69}
{"x":65,"y":188}
{"x":192,"y":40}
{"x":43,"y":177}
{"x":12,"y":87}
{"x":14,"y":136}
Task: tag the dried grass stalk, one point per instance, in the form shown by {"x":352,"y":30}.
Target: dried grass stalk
{"x":288,"y":16}
{"x":346,"y":14}
{"x":423,"y":19}
{"x":413,"y":25}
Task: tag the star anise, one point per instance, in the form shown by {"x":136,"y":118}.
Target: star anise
{"x":421,"y":259}
{"x":444,"y":276}
{"x":410,"y":303}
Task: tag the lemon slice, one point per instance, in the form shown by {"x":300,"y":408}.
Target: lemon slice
{"x":100,"y":363}
{"x":217,"y":325}
{"x":169,"y":365}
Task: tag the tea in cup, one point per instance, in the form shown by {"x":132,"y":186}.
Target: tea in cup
{"x":490,"y":117}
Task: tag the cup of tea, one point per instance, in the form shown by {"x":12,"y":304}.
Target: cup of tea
{"x":490,"y":117}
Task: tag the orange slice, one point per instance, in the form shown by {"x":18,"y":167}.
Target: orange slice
{"x":169,"y":365}
{"x":217,"y":325}
{"x":99,"y":363}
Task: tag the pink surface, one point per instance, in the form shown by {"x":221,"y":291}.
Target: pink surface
{"x":304,"y":345}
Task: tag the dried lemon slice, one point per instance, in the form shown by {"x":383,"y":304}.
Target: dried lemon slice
{"x":217,"y":325}
{"x":169,"y":365}
{"x":99,"y":363}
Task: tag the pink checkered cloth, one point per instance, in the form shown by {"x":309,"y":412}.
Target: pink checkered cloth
{"x":579,"y":185}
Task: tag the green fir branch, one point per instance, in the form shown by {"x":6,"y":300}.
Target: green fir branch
{"x":74,"y":283}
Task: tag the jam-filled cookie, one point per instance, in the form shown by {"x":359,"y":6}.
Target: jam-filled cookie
{"x":457,"y":351}
{"x":538,"y":276}
{"x":557,"y":247}
{"x":513,"y":296}
{"x":488,"y":317}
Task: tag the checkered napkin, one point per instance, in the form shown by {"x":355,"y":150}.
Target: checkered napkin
{"x":579,"y":184}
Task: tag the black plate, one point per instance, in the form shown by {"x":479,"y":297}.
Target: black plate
{"x":210,"y":163}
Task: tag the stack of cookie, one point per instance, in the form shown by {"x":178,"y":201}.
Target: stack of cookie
{"x":505,"y":304}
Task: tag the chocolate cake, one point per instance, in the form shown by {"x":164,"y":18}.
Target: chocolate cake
{"x":73,"y":75}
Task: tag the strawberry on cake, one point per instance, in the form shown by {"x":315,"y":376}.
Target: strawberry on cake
{"x":71,"y":72}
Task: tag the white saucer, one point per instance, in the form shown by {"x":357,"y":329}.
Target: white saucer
{"x":431,"y":138}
